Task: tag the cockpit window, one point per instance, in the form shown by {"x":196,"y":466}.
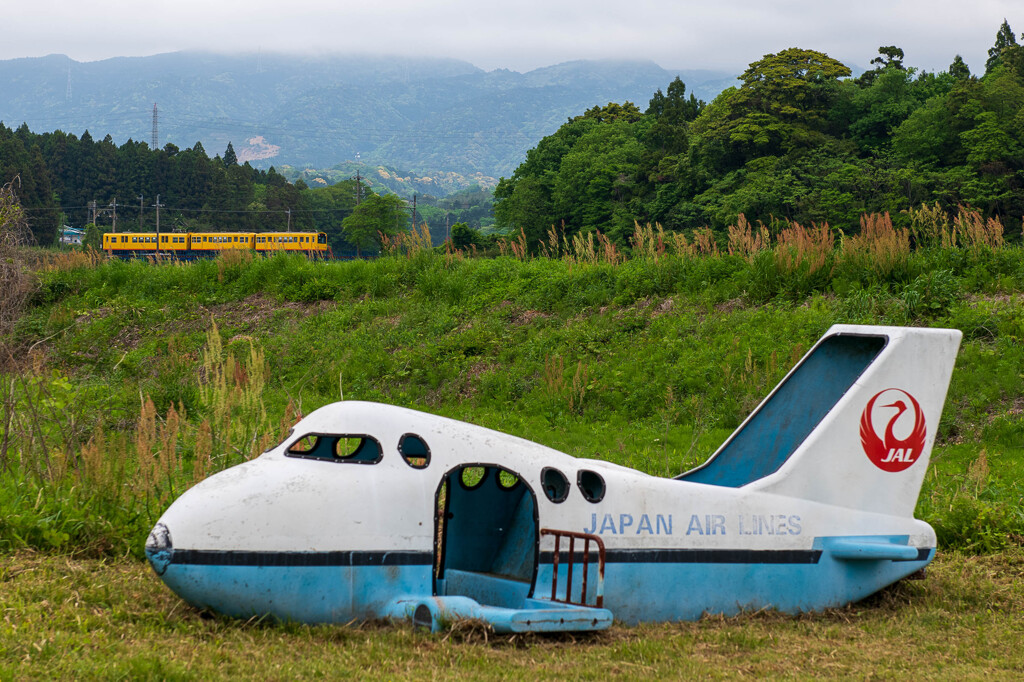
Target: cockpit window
{"x":414,"y":451}
{"x":358,"y":449}
{"x":304,"y":445}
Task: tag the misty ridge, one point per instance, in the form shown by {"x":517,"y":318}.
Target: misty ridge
{"x":427,"y":115}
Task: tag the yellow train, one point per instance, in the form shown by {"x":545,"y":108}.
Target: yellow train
{"x":200,"y":244}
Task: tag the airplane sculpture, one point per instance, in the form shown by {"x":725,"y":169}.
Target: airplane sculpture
{"x":370,"y":511}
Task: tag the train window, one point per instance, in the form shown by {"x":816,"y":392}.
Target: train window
{"x":414,"y":451}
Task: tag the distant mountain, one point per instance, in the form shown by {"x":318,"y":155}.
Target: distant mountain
{"x":383,"y":179}
{"x":428,"y":115}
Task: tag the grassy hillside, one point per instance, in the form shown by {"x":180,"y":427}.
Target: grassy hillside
{"x":134,"y":379}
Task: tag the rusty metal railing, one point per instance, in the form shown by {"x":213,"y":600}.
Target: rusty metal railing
{"x":587,"y":538}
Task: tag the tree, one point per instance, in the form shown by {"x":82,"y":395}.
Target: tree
{"x":878,"y":109}
{"x":596,"y":180}
{"x":890,"y":56}
{"x":463,"y":236}
{"x":524,"y":204}
{"x":1005,"y":39}
{"x":230,"y":158}
{"x":377,"y":215}
{"x":672,"y":114}
{"x":93,"y":237}
{"x":783,"y":104}
{"x":958,"y":69}
{"x":794,"y":84}
{"x":613,"y":112}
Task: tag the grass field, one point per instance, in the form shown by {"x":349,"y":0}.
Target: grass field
{"x":114,"y":619}
{"x":130,"y":381}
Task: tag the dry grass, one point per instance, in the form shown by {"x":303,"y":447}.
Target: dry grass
{"x":798,"y":246}
{"x":745,"y":240}
{"x":408,"y":243}
{"x":95,"y":619}
{"x":16,"y":280}
{"x":879,"y":246}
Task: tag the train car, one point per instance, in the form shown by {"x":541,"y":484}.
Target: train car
{"x":208,"y":244}
{"x":221,"y":241}
{"x":292,"y":241}
{"x":175,"y":242}
{"x":129,"y":243}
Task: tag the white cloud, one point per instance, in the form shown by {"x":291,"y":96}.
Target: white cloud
{"x":523,"y":35}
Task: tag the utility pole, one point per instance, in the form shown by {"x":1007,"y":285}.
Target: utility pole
{"x":359,"y":188}
{"x":92,"y":207}
{"x":447,"y":232}
{"x":157,"y":205}
{"x":289,"y":212}
{"x":140,"y":212}
{"x":413,"y":212}
{"x":113,"y":227}
{"x":155,"y":138}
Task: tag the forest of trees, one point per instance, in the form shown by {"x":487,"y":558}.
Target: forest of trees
{"x":799,"y":139}
{"x":59,"y":175}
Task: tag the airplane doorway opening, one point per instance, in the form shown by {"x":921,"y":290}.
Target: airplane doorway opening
{"x":486,"y":539}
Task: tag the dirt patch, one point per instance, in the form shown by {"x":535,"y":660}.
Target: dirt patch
{"x":256,"y":310}
{"x":974,"y":299}
{"x":478,"y":368}
{"x":247,"y":316}
{"x":664,"y":307}
{"x":528,"y":316}
{"x":730,"y":305}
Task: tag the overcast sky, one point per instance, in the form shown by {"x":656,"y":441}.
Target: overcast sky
{"x":518,"y":34}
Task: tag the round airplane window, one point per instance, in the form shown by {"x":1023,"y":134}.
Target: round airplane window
{"x":555,"y":484}
{"x":414,"y":451}
{"x":591,"y":485}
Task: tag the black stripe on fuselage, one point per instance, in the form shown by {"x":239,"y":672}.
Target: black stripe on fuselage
{"x":696,"y":556}
{"x":213,"y":557}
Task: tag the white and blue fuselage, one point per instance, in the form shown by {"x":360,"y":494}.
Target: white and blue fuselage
{"x":373,"y":511}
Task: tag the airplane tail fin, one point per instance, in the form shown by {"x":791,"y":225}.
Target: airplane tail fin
{"x":853,"y":424}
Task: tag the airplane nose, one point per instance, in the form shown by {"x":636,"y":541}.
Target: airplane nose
{"x":159,"y":548}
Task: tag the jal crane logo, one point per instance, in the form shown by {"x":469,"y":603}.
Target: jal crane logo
{"x":889,"y":452}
